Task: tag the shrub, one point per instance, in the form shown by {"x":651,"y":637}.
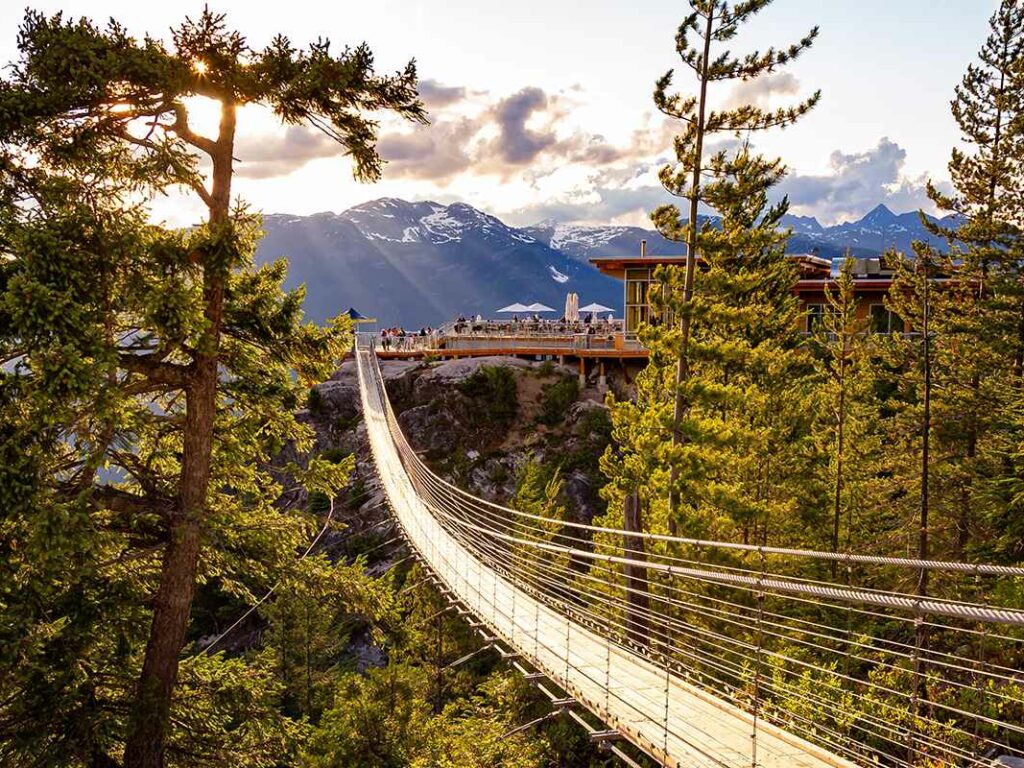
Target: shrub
{"x":318,"y":502}
{"x":315,"y":402}
{"x":335,"y":455}
{"x":495,"y":387}
{"x":344,"y":424}
{"x":556,"y":400}
{"x":358,"y":493}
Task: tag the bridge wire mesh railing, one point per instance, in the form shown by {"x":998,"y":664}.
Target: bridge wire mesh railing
{"x":768,"y":629}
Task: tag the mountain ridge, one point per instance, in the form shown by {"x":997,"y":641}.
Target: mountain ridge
{"x":415,"y":263}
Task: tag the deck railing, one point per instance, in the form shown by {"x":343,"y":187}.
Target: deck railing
{"x":510,"y":337}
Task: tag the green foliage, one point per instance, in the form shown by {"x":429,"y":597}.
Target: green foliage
{"x":345,"y":424}
{"x":149,"y":376}
{"x":844,"y":428}
{"x":316,"y":608}
{"x":319,"y":503}
{"x":335,"y":455}
{"x":358,"y":493}
{"x":747,"y":390}
{"x":377,"y":720}
{"x":539,"y":489}
{"x":556,"y":399}
{"x":382,"y":720}
{"x":315,"y":402}
{"x":732,"y":183}
{"x":593,"y":433}
{"x":229,"y":712}
{"x":493,"y":389}
{"x":979,"y":345}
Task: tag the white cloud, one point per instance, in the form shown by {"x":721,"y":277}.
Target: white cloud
{"x":761,"y":91}
{"x":858,"y":182}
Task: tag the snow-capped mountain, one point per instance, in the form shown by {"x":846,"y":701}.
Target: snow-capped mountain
{"x":581,"y":242}
{"x":877,"y":231}
{"x":417,"y":263}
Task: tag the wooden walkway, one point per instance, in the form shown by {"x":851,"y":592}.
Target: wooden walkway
{"x":670,"y":719}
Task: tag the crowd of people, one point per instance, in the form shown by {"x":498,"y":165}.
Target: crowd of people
{"x":589,"y":324}
{"x":398,"y":338}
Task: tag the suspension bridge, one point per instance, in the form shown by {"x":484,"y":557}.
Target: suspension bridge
{"x":702,"y":653}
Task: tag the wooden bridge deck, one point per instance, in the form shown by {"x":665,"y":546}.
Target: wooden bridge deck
{"x":672,"y":720}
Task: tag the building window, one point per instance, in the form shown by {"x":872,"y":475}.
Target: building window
{"x":815,"y":317}
{"x":637,"y":306}
{"x":884,"y":320}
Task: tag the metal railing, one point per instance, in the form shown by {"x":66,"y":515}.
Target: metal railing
{"x":714,"y":653}
{"x":500,"y":337}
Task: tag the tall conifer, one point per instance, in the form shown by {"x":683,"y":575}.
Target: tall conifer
{"x":153,"y":371}
{"x":699,"y":42}
{"x":981,"y":349}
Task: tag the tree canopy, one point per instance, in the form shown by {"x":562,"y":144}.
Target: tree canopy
{"x":149,"y":374}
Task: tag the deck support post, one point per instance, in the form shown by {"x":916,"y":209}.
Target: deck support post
{"x":602,"y":382}
{"x":583,"y":373}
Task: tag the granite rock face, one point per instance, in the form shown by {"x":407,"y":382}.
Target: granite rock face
{"x":452,"y":431}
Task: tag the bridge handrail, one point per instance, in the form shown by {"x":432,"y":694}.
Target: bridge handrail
{"x":982,"y":569}
{"x":540,"y":561}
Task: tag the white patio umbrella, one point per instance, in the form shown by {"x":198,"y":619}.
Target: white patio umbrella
{"x":595,"y":307}
{"x":538,"y":307}
{"x":517,"y":307}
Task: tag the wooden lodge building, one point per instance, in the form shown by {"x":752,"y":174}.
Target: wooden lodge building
{"x":616,"y":343}
{"x":872,"y":279}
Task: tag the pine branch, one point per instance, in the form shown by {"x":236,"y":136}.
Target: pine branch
{"x":156,"y":370}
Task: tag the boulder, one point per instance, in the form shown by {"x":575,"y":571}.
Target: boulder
{"x":446,"y":376}
{"x":431,"y":429}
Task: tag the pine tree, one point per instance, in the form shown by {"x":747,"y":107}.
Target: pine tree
{"x":841,"y":345}
{"x":712,"y":23}
{"x":153,"y":371}
{"x":748,"y":425}
{"x":984,"y":328}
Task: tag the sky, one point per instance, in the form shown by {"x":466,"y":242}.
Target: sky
{"x":541,"y":109}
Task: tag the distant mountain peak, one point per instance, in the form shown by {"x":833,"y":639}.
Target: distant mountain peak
{"x":545,"y":224}
{"x":416,"y":262}
{"x":806,"y":224}
{"x":880,"y":215}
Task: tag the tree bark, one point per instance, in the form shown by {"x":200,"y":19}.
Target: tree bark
{"x":637,"y":600}
{"x":172,"y":605}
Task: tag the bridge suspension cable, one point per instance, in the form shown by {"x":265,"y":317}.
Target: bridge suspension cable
{"x":723,"y":654}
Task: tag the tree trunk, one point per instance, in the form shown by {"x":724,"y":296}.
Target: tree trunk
{"x":965,"y":516}
{"x":837,"y":495}
{"x":172,"y":605}
{"x":638,"y":603}
{"x":683,"y":363}
{"x":920,"y":695}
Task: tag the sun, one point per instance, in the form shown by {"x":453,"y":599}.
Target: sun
{"x":200,"y":67}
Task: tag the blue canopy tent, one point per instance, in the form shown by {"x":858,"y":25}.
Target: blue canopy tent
{"x":358,"y":317}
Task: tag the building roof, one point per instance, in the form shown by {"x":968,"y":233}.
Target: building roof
{"x":812,"y":267}
{"x":616,"y":265}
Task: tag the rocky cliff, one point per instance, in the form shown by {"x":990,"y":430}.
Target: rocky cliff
{"x":478,"y":423}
